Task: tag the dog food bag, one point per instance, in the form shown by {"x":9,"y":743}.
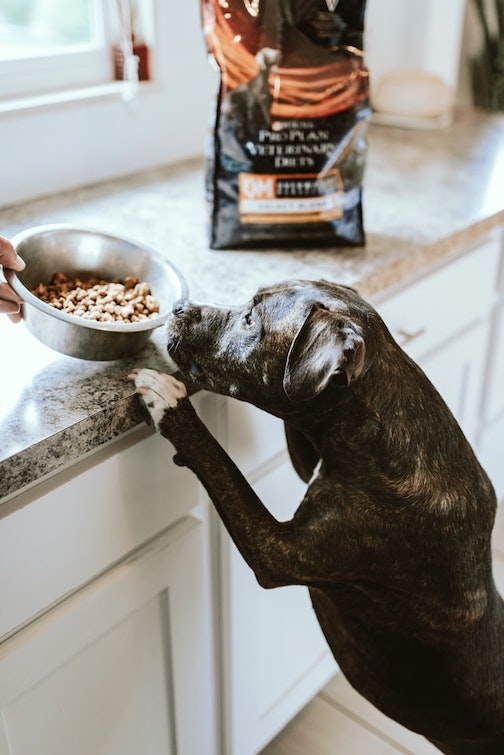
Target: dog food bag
{"x":288,"y":146}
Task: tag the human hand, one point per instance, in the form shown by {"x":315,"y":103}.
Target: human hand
{"x":9,"y":301}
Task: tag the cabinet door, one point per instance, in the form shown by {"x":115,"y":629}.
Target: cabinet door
{"x":492,"y":437}
{"x":442,"y":322}
{"x":440,"y":306}
{"x":82,"y":525}
{"x":255,"y":437}
{"x":457,"y":370}
{"x":276,"y":656}
{"x":494,"y":404}
{"x":122,"y":667}
{"x":491,"y":456}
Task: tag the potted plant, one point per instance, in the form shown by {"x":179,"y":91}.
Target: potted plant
{"x":487,"y":68}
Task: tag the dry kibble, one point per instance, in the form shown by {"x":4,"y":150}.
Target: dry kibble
{"x":99,"y":300}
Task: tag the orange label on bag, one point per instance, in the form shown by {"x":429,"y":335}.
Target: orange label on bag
{"x":290,"y":198}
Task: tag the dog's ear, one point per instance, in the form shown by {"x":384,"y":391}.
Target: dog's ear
{"x":328,"y":346}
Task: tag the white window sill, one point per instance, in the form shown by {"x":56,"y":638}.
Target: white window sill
{"x":82,"y":94}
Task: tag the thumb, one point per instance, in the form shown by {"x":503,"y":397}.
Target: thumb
{"x":8,"y":256}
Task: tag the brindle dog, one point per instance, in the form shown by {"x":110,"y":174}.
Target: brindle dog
{"x":393,"y":535}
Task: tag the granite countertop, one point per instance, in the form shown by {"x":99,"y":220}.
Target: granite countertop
{"x":426,"y":194}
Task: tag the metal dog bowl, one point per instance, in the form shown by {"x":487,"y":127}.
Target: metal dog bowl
{"x":81,"y":253}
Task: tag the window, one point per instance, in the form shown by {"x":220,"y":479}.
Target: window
{"x":35,"y":27}
{"x":54,"y":45}
{"x":82,"y":130}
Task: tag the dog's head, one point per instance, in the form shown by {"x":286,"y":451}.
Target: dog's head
{"x":288,"y":345}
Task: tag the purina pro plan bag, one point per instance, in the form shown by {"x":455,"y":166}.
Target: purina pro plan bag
{"x":288,"y":147}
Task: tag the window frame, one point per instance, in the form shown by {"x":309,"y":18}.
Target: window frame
{"x":65,"y":68}
{"x":57,"y":141}
{"x":31,"y":76}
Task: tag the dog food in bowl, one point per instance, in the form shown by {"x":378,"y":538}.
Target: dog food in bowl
{"x":83,"y":254}
{"x":99,"y":300}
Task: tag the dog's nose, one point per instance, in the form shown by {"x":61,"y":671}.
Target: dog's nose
{"x":179,"y":306}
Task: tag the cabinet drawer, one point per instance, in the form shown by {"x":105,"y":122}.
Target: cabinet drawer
{"x":254,"y":436}
{"x":429,"y":312}
{"x":72,"y":533}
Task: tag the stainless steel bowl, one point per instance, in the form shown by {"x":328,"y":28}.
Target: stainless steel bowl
{"x":80,"y":252}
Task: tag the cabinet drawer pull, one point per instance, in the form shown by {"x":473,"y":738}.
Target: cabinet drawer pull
{"x":407,"y":336}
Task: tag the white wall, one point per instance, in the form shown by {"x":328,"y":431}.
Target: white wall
{"x":411,"y":35}
{"x":48,"y":149}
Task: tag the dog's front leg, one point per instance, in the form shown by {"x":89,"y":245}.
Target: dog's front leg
{"x":268,"y":546}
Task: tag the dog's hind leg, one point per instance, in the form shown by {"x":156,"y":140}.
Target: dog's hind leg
{"x":269,"y":547}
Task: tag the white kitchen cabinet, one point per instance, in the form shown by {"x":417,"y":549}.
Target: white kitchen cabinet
{"x":130,"y":623}
{"x":275,"y":657}
{"x":443,"y":322}
{"x":86,"y":519}
{"x":106,"y":618}
{"x":123,"y":666}
{"x":491,"y":455}
{"x":491,"y":440}
{"x":426,"y":313}
{"x":494,"y":400}
{"x":452,"y":323}
{"x":457,"y":371}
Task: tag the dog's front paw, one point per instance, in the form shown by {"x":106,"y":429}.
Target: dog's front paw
{"x":158,"y":392}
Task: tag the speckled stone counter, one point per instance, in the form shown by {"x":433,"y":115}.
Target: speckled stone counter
{"x":426,"y":195}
